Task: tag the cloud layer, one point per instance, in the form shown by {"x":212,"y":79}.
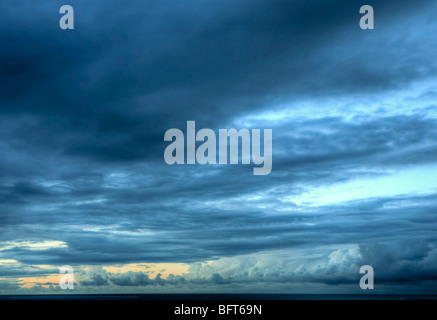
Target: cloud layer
{"x":83,"y":114}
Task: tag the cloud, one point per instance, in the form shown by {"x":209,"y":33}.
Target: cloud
{"x":335,"y":270}
{"x":96,"y":280}
{"x":82,"y":175}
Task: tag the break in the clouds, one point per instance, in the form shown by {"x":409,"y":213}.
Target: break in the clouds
{"x":83,"y":113}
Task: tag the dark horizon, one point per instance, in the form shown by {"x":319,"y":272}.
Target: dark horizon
{"x":221,"y":297}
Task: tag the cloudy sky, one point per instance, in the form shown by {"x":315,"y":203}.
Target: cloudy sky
{"x":83,"y":112}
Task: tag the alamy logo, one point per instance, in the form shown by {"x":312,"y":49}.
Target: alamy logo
{"x":367,"y":21}
{"x":67,"y":281}
{"x":366,"y":281}
{"x":206,"y":152}
{"x":67,"y":20}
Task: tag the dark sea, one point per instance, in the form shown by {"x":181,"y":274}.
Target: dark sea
{"x":169,"y":297}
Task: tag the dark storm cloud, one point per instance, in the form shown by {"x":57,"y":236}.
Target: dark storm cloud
{"x":96,"y":280}
{"x":376,"y":141}
{"x":197,"y":235}
{"x":83,"y":115}
{"x":128,"y":73}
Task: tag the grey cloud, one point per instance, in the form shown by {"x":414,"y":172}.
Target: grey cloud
{"x":84,"y":113}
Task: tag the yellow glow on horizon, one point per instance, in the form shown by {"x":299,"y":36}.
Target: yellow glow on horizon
{"x":152,"y":269}
{"x":29,"y":282}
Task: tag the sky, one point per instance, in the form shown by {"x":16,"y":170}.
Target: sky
{"x":83,"y":113}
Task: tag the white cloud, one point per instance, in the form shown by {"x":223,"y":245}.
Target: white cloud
{"x":32,"y":245}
